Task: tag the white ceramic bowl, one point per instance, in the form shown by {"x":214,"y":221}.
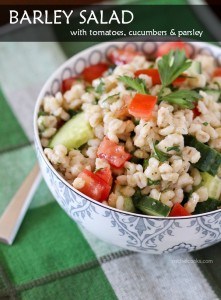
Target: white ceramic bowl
{"x":136,"y":232}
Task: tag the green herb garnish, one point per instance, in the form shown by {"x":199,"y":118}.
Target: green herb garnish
{"x":136,"y":84}
{"x":175,"y":148}
{"x":145,"y":163}
{"x":160,"y":155}
{"x":89,"y":88}
{"x":73,"y":112}
{"x":111,"y":97}
{"x":182,"y":98}
{"x":205,"y":123}
{"x":42,"y":113}
{"x":152,"y":182}
{"x":100,"y":88}
{"x":172,"y":65}
{"x":218,"y":85}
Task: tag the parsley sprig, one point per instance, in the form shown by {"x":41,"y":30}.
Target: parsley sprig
{"x":136,"y":84}
{"x":172,"y":65}
{"x":183,"y":98}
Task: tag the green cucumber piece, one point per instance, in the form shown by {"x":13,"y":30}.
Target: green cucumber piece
{"x":136,"y":197}
{"x":195,"y":68}
{"x":73,"y":134}
{"x":212,"y":183}
{"x":214,"y":93}
{"x":150,"y":206}
{"x":128,"y":204}
{"x":210,"y":158}
{"x":207,"y":206}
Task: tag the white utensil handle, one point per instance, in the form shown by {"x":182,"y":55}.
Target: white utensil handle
{"x":13,"y":215}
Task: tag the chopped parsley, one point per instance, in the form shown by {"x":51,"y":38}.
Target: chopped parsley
{"x":42,"y":113}
{"x":100,"y":88}
{"x":89,"y":88}
{"x":136,"y":84}
{"x":111,"y":98}
{"x":73,"y":112}
{"x":175,"y":148}
{"x":145,"y":163}
{"x":152,"y":182}
{"x":160,"y":155}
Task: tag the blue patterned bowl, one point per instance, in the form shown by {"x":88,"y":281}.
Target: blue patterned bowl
{"x":135,"y":232}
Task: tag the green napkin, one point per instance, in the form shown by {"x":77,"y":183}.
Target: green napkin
{"x":50,"y":259}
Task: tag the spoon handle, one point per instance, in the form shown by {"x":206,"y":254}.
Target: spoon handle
{"x":14,"y":213}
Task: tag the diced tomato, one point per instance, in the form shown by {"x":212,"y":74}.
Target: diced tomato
{"x":153,"y":73}
{"x":217,"y":72}
{"x":178,"y":211}
{"x":94,"y":71}
{"x":94,"y":186}
{"x":166,"y":47}
{"x":113,"y":153}
{"x":142,"y":106}
{"x":67,"y":83}
{"x":122,"y":56}
{"x":196,"y":112}
{"x":105,"y":174}
{"x":178,"y":81}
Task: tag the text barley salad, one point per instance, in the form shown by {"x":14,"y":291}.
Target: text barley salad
{"x":140,"y":135}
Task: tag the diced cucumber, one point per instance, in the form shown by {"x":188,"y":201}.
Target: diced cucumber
{"x":73,"y":134}
{"x":210,"y":158}
{"x":195,"y":68}
{"x":150,"y":206}
{"x":214,"y":93}
{"x":207,"y":206}
{"x":212,"y":183}
{"x":128,"y":204}
{"x":136,"y":197}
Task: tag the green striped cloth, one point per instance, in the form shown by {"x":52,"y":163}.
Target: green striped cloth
{"x":52,"y":257}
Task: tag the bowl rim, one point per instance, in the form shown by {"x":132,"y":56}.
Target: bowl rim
{"x":40,"y":148}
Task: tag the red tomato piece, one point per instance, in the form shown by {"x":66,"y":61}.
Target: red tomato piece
{"x":113,"y":153}
{"x":178,"y":211}
{"x":94,"y":186}
{"x":105,"y":174}
{"x":122,"y":56}
{"x":196,"y":112}
{"x":142,"y":106}
{"x":67,"y":83}
{"x":178,"y":81}
{"x":153,"y":73}
{"x":217,"y":72}
{"x":94,"y":71}
{"x":166,"y":47}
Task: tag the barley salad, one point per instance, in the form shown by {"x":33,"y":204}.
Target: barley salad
{"x":140,"y":134}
